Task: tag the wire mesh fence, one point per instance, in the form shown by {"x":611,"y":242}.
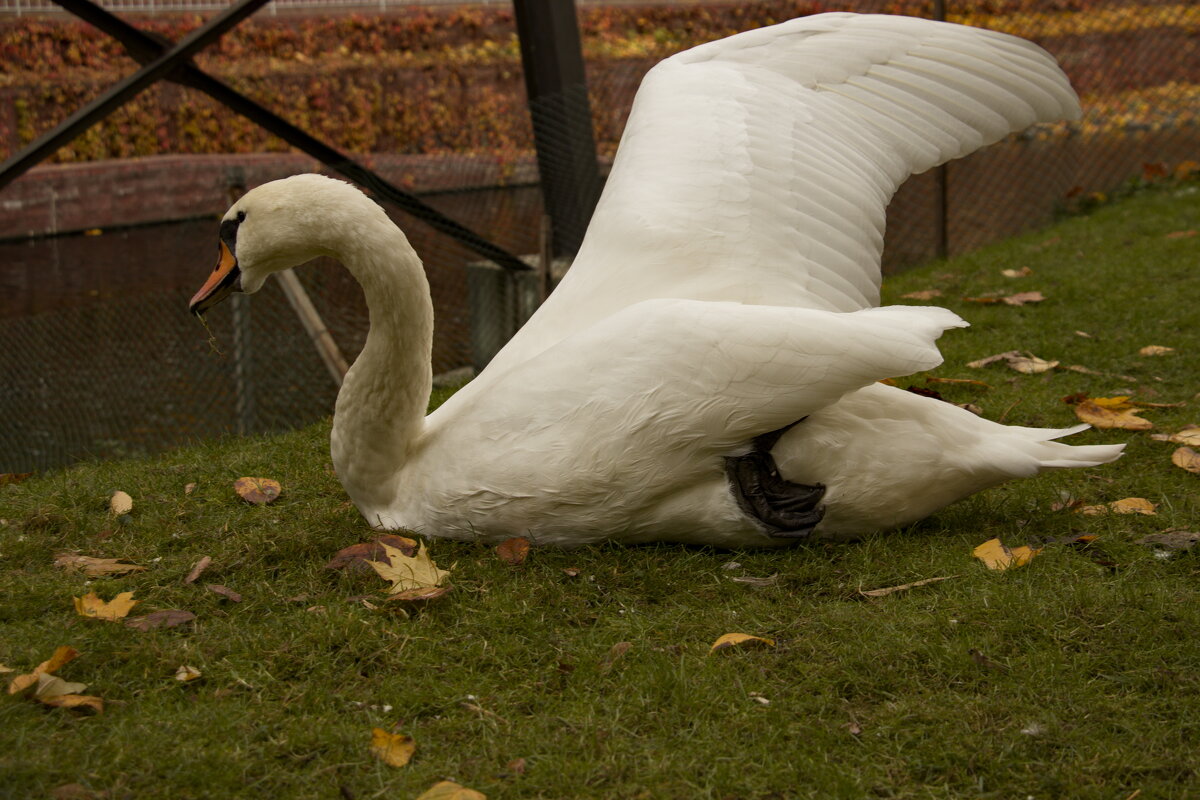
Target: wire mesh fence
{"x":99,"y":257}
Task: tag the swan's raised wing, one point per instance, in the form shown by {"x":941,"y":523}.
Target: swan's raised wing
{"x":758,"y":168}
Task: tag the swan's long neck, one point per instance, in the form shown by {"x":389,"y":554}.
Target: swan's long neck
{"x":380,"y":409}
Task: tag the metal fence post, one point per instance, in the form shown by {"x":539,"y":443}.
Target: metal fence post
{"x":552,"y":57}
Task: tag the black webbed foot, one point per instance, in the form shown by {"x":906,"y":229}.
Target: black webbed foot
{"x":788,"y":510}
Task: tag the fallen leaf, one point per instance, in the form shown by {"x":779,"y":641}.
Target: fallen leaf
{"x":1155,"y":350}
{"x":6,"y":668}
{"x":1023,"y":298}
{"x":1171,"y":540}
{"x":903,"y":587}
{"x":185,"y":673}
{"x":998,"y":556}
{"x":449,"y":790}
{"x":513,"y":551}
{"x":424,"y":594}
{"x":1111,"y":412}
{"x":393,"y":749}
{"x":730,"y":641}
{"x":120,"y":503}
{"x":1129,"y":505}
{"x":90,"y":605}
{"x":959,"y":381}
{"x":1181,"y":234}
{"x":516,"y":766}
{"x":224,"y":591}
{"x":759,"y":698}
{"x":357,"y":557}
{"x":614,"y":654}
{"x":168,"y":618}
{"x":761,"y":583}
{"x":189,"y":488}
{"x":198,"y":568}
{"x":258,"y":491}
{"x":1084,"y":334}
{"x":409,"y":572}
{"x":974,"y":409}
{"x":571,"y":572}
{"x":61,"y":656}
{"x":1026,"y":363}
{"x":1016,"y":273}
{"x":95,"y":567}
{"x":7,"y":478}
{"x":924,"y":294}
{"x":1186,"y":458}
{"x":1189,"y":435}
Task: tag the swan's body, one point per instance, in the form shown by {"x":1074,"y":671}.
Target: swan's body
{"x":726,"y":289}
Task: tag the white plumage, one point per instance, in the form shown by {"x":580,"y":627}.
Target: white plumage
{"x":727,"y":287}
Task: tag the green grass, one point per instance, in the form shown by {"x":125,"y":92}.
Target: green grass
{"x":1096,"y":693}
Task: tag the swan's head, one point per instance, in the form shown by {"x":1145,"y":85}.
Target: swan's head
{"x":278,"y":225}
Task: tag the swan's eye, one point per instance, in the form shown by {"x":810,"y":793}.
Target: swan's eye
{"x":241,"y":216}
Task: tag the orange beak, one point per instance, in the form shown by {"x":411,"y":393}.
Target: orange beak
{"x":224,"y":280}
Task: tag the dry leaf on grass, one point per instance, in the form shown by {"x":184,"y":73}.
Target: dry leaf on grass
{"x":198,"y":568}
{"x":1189,"y":435}
{"x":168,"y":618}
{"x":1025,"y":363}
{"x":449,"y":790}
{"x":1186,"y":458}
{"x":1171,"y":540}
{"x":1129,"y":505}
{"x":513,"y":551}
{"x":393,"y":749}
{"x":924,"y":294}
{"x":1181,"y":234}
{"x":729,"y":641}
{"x":258,"y":491}
{"x":120,"y":503}
{"x":1110,"y":412}
{"x":95,"y":567}
{"x":409,"y":572}
{"x":357,"y":558}
{"x":51,"y":690}
{"x":903,"y":587}
{"x":1016,"y":273}
{"x":959,"y":382}
{"x":1019,"y":299}
{"x":90,"y":605}
{"x":1155,"y":350}
{"x":185,"y":673}
{"x":224,"y":591}
{"x":996,"y":555}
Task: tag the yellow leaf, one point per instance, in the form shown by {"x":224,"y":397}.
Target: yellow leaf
{"x":449,"y":790}
{"x":49,"y":686}
{"x":393,"y":749}
{"x":1113,"y":415}
{"x":1026,"y":363}
{"x":1186,"y":458}
{"x":90,"y":605}
{"x":903,"y":587}
{"x":1155,"y":350}
{"x":258,"y":491}
{"x":120,"y":503}
{"x":186,"y":673}
{"x":1016,"y":273}
{"x":1130,"y":505}
{"x":95,"y":567}
{"x":732,"y":640}
{"x":1021,"y":298}
{"x":408,"y":572}
{"x":61,"y":656}
{"x":997,"y":556}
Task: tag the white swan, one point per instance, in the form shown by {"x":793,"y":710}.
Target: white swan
{"x":726,"y":289}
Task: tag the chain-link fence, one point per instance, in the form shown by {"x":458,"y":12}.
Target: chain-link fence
{"x":101,"y":359}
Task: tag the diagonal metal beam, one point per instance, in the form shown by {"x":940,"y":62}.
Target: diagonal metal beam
{"x":126,"y":90}
{"x":148,"y":49}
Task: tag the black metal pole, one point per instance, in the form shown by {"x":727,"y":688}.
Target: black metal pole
{"x":148,"y":49}
{"x":551,"y":54}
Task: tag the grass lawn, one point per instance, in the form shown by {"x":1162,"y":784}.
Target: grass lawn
{"x":1077,"y":675}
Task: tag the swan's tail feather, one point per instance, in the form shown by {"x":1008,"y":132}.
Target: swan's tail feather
{"x":1087,"y":455}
